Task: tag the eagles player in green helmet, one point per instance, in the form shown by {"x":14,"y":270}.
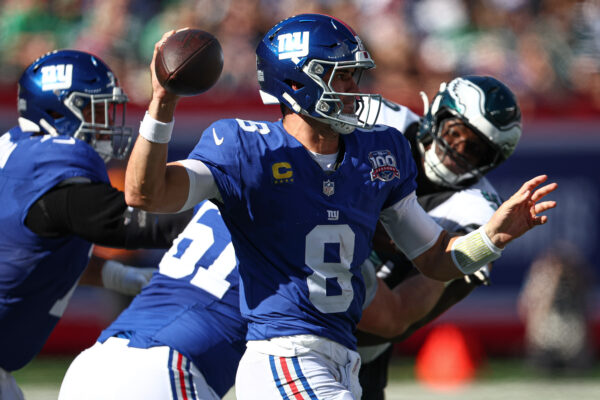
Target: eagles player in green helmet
{"x":472,"y":126}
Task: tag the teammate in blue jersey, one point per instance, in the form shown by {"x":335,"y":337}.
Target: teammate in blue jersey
{"x":455,"y":144}
{"x":57,"y":200}
{"x":184,"y":329}
{"x":301,"y":198}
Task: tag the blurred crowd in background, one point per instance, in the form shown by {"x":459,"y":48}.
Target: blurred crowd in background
{"x":547,"y":51}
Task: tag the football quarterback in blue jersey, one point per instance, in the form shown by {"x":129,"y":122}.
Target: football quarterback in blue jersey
{"x":188,"y":321}
{"x":301,"y":198}
{"x":57,"y":200}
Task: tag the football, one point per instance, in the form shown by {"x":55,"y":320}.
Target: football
{"x":189,"y":62}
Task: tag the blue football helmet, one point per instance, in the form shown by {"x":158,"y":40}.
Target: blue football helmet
{"x":307,"y":50}
{"x":69,"y":92}
{"x":484,"y":104}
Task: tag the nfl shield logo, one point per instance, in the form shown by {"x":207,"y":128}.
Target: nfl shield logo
{"x":328,"y":187}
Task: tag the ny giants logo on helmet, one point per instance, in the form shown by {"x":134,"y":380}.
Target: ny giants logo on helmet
{"x":58,"y":76}
{"x":384,"y":165}
{"x":293,"y":45}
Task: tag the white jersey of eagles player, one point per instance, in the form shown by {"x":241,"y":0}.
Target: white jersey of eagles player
{"x":464,"y":210}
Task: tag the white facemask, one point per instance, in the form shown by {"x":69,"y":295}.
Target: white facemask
{"x":438,"y":173}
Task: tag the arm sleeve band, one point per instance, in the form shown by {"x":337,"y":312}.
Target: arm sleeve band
{"x":155,"y":131}
{"x":410,"y":227}
{"x":473,"y":251}
{"x":97,"y":212}
{"x":202,"y":183}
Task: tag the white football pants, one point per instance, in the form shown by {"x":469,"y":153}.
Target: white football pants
{"x":298,"y":367}
{"x":114,"y":371}
{"x":8,"y":387}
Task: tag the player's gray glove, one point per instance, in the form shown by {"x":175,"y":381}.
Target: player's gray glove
{"x":125,"y":279}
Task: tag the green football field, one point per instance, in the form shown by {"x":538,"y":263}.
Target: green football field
{"x":499,"y":379}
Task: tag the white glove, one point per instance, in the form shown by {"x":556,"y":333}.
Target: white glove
{"x":125,"y":279}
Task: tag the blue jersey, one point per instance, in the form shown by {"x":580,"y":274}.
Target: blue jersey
{"x":37,"y":275}
{"x":301,"y":233}
{"x":192,"y":304}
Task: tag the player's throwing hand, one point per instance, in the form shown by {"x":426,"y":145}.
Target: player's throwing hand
{"x":521,"y":212}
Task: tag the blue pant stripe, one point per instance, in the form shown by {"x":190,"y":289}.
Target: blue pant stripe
{"x":302,"y":378}
{"x":276,"y":378}
{"x":188,"y":370}
{"x":172,"y":375}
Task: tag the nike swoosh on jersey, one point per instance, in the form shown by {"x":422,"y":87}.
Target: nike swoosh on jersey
{"x":218,"y":140}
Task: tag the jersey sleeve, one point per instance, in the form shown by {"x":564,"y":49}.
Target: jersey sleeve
{"x":468,"y":209}
{"x":219,"y":149}
{"x":59,"y":159}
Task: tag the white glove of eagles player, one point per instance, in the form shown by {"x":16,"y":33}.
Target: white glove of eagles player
{"x":125,"y":279}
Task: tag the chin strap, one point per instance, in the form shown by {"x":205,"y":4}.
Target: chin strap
{"x":49,"y":128}
{"x":341,"y":127}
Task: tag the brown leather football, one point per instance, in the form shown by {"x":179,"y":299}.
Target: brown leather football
{"x":189,"y":62}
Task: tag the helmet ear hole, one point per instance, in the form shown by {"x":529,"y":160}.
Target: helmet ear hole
{"x":54,"y":114}
{"x":293,"y":84}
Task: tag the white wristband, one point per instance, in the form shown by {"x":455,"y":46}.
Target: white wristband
{"x":473,"y":251}
{"x":156,"y":131}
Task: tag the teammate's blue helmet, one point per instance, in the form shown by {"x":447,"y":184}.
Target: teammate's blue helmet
{"x":486,"y":106}
{"x":306,"y":50}
{"x":69,"y":92}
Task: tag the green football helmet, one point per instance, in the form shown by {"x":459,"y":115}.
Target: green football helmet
{"x":486,"y":106}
